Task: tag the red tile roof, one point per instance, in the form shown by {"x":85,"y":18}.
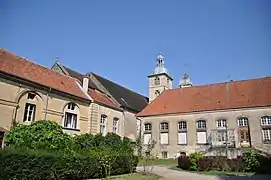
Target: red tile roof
{"x":22,"y":68}
{"x":236,"y":94}
{"x":102,"y":98}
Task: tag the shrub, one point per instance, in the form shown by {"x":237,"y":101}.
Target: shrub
{"x":194,"y":157}
{"x":37,"y":164}
{"x":252,"y":160}
{"x":39,"y":135}
{"x":184,"y":162}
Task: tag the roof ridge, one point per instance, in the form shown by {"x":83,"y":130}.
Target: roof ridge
{"x":119,"y":85}
{"x":32,"y":62}
{"x":221,"y":83}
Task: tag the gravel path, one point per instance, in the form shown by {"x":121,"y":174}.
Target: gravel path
{"x":169,"y":174}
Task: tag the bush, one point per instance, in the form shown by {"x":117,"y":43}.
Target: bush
{"x":252,"y":160}
{"x":184,"y":162}
{"x":37,"y":164}
{"x":194,"y":157}
{"x":39,"y":135}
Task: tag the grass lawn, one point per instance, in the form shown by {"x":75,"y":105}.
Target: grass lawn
{"x":137,"y":176}
{"x":165,"y":162}
{"x":216,"y":173}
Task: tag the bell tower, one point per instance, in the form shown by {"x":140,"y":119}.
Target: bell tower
{"x":159,"y":80}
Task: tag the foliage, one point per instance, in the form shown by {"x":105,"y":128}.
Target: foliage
{"x":36,"y":164}
{"x":252,"y":160}
{"x":194,"y":157}
{"x":39,"y":135}
{"x":184,"y":162}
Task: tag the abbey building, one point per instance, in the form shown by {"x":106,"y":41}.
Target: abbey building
{"x":214,"y":119}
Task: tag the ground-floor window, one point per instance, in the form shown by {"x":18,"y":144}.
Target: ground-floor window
{"x":164,"y":154}
{"x":70,"y":120}
{"x":29,"y":112}
{"x":182,"y":138}
{"x":267,"y":135}
{"x":201,"y":137}
{"x":164,"y":138}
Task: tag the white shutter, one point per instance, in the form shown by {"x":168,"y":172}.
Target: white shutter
{"x":164,"y":138}
{"x":201,"y":137}
{"x":147,"y":138}
{"x":182,"y":138}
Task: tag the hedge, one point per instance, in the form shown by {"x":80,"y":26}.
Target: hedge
{"x":35,"y":164}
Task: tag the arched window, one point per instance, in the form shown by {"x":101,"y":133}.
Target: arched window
{"x":266,"y":128}
{"x":201,"y":132}
{"x":164,"y":133}
{"x":115,"y":125}
{"x":182,"y":133}
{"x":71,"y":116}
{"x":156,"y":81}
{"x":157,"y":93}
{"x":147,"y":133}
{"x":30,"y":108}
{"x":103,"y":124}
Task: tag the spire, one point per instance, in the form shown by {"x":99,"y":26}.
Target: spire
{"x":160,"y":65}
{"x":185,"y":81}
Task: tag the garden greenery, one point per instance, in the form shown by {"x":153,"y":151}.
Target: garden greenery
{"x":43,"y":151}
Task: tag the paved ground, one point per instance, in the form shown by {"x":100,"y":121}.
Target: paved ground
{"x":169,"y":174}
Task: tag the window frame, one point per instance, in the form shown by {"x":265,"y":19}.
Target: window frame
{"x":103,"y":121}
{"x":115,"y":125}
{"x":181,"y":124}
{"x":156,"y":81}
{"x":27,"y":111}
{"x":267,"y":120}
{"x":71,"y":109}
{"x":147,"y":129}
{"x":222,"y":124}
{"x":242,"y":122}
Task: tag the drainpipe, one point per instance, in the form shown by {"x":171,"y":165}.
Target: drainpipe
{"x":46,"y":108}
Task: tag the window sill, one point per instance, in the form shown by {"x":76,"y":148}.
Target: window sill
{"x":202,"y":144}
{"x":267,"y":142}
{"x":182,"y":144}
{"x":72,"y":129}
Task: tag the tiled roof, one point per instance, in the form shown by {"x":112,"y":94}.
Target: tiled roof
{"x":230,"y":95}
{"x":99,"y":97}
{"x":124,"y":96}
{"x":27,"y":70}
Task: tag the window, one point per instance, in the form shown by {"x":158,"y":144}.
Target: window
{"x":164,"y":154}
{"x":31,"y":96}
{"x":103,"y":124}
{"x":182,"y":134}
{"x":201,"y":132}
{"x":222,"y":136}
{"x":148,"y":127}
{"x":156,"y":81}
{"x":164,"y":126}
{"x":115,"y":125}
{"x":147,"y":138}
{"x":157,"y":93}
{"x":29,"y":112}
{"x":267,"y":135}
{"x":182,"y":125}
{"x":242,"y":122}
{"x":201,"y":124}
{"x":266,"y":120}
{"x":221,"y":123}
{"x":244,"y":136}
{"x":70,"y":118}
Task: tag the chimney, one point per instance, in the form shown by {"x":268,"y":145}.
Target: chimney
{"x":85,"y":84}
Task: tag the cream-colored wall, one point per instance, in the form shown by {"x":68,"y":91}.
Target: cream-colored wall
{"x":111,"y":114}
{"x":14,"y":94}
{"x":173,"y":148}
{"x":130,"y":125}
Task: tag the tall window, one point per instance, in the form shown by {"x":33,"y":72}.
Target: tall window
{"x":221,"y":123}
{"x":147,"y":133}
{"x":243,"y":130}
{"x":266,"y":128}
{"x":71,"y":116}
{"x":201,"y":132}
{"x":156,"y":81}
{"x":29,"y":112}
{"x":164,"y":133}
{"x":103,"y":124}
{"x":182,"y":133}
{"x":115,"y":125}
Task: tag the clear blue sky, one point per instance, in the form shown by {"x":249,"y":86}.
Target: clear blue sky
{"x":211,"y":40}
